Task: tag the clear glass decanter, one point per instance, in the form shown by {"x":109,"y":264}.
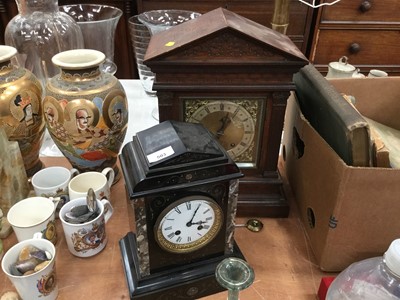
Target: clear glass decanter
{"x":40,"y":31}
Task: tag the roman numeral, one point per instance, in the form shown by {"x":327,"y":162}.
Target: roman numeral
{"x":235,"y":112}
{"x":168,"y":228}
{"x":188,"y":205}
{"x":171,"y":235}
{"x":179,"y":239}
{"x":177,"y":210}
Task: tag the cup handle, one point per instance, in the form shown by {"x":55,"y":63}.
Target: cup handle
{"x":55,"y":200}
{"x":109,"y":210}
{"x":74,"y":172}
{"x":109,"y":173}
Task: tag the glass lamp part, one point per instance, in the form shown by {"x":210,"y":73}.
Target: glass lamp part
{"x":40,"y":31}
{"x":97,"y":21}
{"x":235,"y":275}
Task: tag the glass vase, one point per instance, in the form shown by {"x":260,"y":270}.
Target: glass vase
{"x":141,"y":28}
{"x":40,"y":31}
{"x":98,"y":24}
{"x":86,"y":111}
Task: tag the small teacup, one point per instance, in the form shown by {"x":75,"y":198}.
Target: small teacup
{"x":32,"y":215}
{"x":53,"y":182}
{"x":100,"y":182}
{"x":377,"y":73}
{"x":39,"y":285}
{"x":89,"y":238}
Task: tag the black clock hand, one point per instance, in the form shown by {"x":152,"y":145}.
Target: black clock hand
{"x":194,"y":214}
{"x":199,"y":223}
{"x":225,"y":121}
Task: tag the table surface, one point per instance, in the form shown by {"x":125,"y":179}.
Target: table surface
{"x":280,"y":253}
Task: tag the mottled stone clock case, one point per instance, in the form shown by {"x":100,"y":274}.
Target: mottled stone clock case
{"x":222,"y":55}
{"x":200,"y":166}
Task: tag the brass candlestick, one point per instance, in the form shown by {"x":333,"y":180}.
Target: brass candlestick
{"x":280,"y":18}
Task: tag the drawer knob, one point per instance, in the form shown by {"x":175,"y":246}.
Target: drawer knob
{"x":354,"y":48}
{"x":365,"y":6}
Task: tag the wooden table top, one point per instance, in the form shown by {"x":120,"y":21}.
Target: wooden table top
{"x":280,"y":254}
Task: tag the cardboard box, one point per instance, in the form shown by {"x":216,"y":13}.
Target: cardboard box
{"x":349,"y":213}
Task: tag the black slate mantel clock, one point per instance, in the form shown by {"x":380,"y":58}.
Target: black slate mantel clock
{"x":183,"y":187}
{"x":234,"y":76}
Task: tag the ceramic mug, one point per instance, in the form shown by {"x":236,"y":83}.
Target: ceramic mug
{"x":39,"y":285}
{"x":32,"y":215}
{"x":53,"y":182}
{"x":100,"y":182}
{"x":89,"y":238}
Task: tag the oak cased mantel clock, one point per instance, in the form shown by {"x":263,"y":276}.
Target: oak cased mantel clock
{"x":234,"y":76}
{"x":183,"y":187}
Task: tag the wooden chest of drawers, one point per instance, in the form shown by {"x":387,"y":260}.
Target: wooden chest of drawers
{"x":366,"y":31}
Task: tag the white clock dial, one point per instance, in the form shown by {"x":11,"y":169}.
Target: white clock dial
{"x":188,"y":224}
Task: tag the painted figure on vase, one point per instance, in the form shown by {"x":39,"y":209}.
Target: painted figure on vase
{"x":88,"y":130}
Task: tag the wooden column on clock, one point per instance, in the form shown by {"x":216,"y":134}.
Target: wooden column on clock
{"x":234,"y":76}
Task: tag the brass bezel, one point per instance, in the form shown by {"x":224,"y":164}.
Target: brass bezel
{"x":254,"y":106}
{"x":195,"y":245}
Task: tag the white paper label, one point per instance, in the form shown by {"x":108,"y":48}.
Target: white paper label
{"x":160,"y":154}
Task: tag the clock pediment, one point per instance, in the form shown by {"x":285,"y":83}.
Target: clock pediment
{"x":221,"y":36}
{"x":173,"y":154}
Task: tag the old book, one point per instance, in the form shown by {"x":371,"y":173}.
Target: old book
{"x":336,"y":120}
{"x":390,"y":138}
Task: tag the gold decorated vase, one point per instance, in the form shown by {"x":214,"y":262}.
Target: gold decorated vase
{"x":21,"y":113}
{"x":86,"y":111}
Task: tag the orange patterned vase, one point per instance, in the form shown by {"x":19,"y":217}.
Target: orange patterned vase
{"x":21,"y":113}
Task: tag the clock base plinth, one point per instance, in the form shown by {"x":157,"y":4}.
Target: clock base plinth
{"x":262,"y":197}
{"x":186,"y":282}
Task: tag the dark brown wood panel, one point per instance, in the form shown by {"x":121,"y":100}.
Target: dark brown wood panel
{"x":363,"y":11}
{"x":259,"y":11}
{"x":370,"y":43}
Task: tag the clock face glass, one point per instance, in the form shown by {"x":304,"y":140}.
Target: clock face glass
{"x":188,"y":224}
{"x":234,"y":122}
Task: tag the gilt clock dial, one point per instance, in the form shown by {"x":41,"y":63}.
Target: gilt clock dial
{"x":235,"y":123}
{"x":188,"y":224}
